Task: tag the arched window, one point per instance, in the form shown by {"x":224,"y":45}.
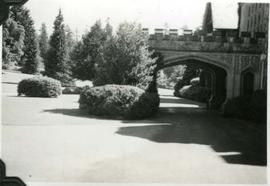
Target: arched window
{"x":247,"y":83}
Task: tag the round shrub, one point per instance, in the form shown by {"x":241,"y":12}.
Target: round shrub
{"x":195,"y":92}
{"x":39,"y":86}
{"x":123,"y":101}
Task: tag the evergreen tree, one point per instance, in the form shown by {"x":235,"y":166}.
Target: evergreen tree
{"x":125,"y":58}
{"x":43,"y":41}
{"x":30,"y":59}
{"x":85,"y":55}
{"x":108,"y":30}
{"x":56,"y":63}
{"x":70,"y":41}
{"x":12,"y":44}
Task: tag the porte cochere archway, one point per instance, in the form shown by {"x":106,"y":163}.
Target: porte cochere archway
{"x":228,"y":61}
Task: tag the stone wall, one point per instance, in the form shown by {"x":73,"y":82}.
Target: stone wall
{"x":227,"y":47}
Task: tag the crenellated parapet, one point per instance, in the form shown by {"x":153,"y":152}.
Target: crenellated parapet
{"x":222,"y":40}
{"x":203,"y":46}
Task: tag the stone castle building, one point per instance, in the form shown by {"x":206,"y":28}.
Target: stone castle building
{"x":253,"y":17}
{"x":232,"y":48}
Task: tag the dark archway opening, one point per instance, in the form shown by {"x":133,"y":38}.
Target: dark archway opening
{"x":213,"y":77}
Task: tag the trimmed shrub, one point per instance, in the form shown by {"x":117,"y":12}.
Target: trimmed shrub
{"x":123,"y":101}
{"x":39,"y":86}
{"x":251,"y":108}
{"x":194,"y":92}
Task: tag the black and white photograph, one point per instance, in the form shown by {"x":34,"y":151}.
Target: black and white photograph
{"x":129,"y":92}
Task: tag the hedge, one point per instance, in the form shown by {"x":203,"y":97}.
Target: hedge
{"x":122,"y":101}
{"x":39,"y":86}
{"x":194,"y":92}
{"x":251,"y":108}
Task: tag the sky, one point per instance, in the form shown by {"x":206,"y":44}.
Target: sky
{"x":80,"y":15}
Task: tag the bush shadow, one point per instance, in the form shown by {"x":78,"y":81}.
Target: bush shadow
{"x":10,"y":83}
{"x":79,"y":113}
{"x":239,"y":142}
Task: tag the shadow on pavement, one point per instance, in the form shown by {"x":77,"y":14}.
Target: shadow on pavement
{"x":237,"y":142}
{"x":176,"y":100}
{"x":10,"y":83}
{"x":78,"y":113}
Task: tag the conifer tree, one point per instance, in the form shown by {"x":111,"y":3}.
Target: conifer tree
{"x":56,"y":64}
{"x":12,"y":45}
{"x":86,"y":54}
{"x":70,"y":41}
{"x":30,"y":59}
{"x":125,"y":59}
{"x":43,"y":41}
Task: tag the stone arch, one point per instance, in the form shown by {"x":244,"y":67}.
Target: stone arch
{"x":247,"y":81}
{"x":178,"y":60}
{"x":217,"y":67}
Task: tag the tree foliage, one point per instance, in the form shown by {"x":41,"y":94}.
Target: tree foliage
{"x":125,"y":58}
{"x":70,"y":41}
{"x":12,"y":44}
{"x":190,"y":73}
{"x":56,"y":63}
{"x":168,"y":77}
{"x":85,"y":54}
{"x":30,"y":59}
{"x":43,"y":41}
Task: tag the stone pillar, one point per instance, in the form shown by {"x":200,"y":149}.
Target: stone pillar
{"x":234,"y":78}
{"x":257,"y":80}
{"x":230,"y":82}
{"x":263,"y":70}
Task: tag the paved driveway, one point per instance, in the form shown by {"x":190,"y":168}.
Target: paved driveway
{"x":49,"y":139}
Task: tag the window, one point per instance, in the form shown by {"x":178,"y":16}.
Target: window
{"x":249,"y":11}
{"x":248,"y":25}
{"x":247,"y":81}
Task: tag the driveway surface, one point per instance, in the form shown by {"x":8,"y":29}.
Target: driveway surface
{"x":49,"y":139}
